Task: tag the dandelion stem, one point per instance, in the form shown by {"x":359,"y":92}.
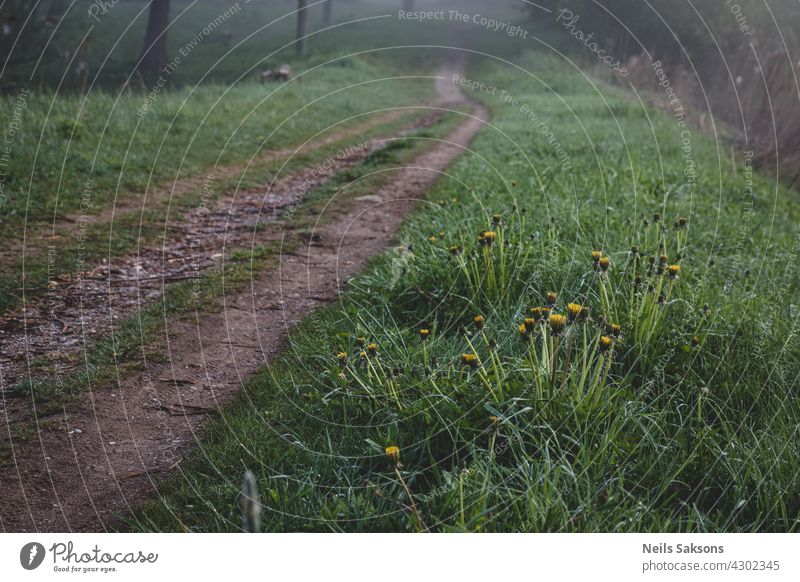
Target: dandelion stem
{"x":420,"y":524}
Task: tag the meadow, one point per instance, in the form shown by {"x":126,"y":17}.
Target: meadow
{"x":591,"y":326}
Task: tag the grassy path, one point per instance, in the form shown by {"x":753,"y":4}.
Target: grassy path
{"x":121,"y":440}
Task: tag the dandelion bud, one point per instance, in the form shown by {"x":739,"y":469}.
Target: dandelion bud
{"x":479,"y":321}
{"x":496,"y":218}
{"x":342,"y":358}
{"x":551,"y":298}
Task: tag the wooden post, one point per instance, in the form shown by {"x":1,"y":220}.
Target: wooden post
{"x":302,"y":16}
{"x":327,"y":12}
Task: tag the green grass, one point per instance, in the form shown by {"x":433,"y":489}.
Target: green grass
{"x":687,"y":423}
{"x":101,"y":147}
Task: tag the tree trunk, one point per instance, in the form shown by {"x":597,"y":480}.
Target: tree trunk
{"x":154,"y":52}
{"x":408,"y":5}
{"x":327,"y":12}
{"x":302,"y":15}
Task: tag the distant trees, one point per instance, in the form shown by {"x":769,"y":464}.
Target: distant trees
{"x":25,"y":26}
{"x":154,"y":52}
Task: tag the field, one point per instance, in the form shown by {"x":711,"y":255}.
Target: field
{"x":685,"y":422}
{"x":586,"y":322}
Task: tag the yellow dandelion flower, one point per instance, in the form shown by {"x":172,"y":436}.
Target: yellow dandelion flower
{"x":557,"y":323}
{"x":523,"y":331}
{"x":479,"y":321}
{"x":393,"y":454}
{"x":372,"y":349}
{"x":551,"y":298}
{"x":424,"y":333}
{"x":674,"y":271}
{"x":470,"y":360}
{"x":605,"y":343}
{"x":573,"y":311}
{"x":604,"y":263}
{"x":487,"y":237}
{"x":596,"y":256}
